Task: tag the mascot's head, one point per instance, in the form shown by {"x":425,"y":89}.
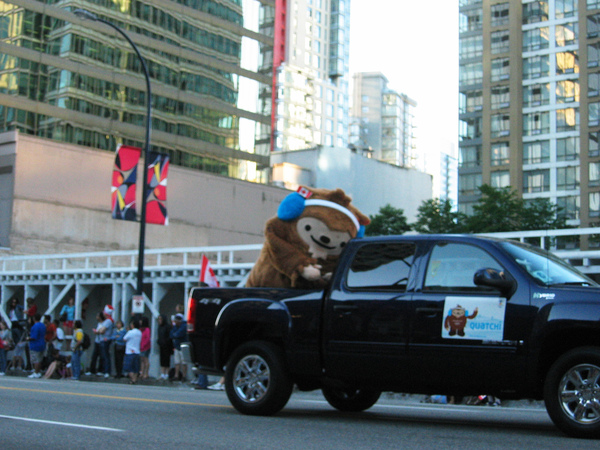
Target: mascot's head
{"x":325,"y":219}
{"x":458,"y":311}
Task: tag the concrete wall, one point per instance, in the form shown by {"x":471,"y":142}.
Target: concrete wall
{"x":61,"y":203}
{"x":371,"y":183}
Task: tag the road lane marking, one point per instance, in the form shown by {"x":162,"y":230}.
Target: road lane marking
{"x":114,"y":397}
{"x":452,"y":408}
{"x":64,"y":424}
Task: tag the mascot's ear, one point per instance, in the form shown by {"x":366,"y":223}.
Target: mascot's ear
{"x":291,"y":207}
{"x":361,"y":232}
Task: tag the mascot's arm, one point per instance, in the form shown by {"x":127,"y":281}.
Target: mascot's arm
{"x":286,"y":257}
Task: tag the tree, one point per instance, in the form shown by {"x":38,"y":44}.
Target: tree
{"x":436,"y":216}
{"x":388,"y":221}
{"x":542,"y":214}
{"x":500,"y":209}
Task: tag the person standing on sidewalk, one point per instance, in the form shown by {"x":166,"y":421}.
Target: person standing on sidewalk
{"x":165,"y":346}
{"x":76,"y":349}
{"x":105,"y":331}
{"x":132,"y":339}
{"x":37,"y":345}
{"x":119,"y":333}
{"x":179,"y":335}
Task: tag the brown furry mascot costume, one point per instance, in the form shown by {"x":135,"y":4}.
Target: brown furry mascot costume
{"x":305,"y":239}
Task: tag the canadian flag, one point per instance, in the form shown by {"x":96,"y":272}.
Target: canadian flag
{"x":207,"y":275}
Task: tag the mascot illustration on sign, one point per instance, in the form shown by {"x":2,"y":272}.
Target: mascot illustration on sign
{"x":456,"y":321}
{"x":303,"y":242}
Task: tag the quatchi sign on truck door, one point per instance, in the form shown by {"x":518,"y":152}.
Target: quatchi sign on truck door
{"x":479,"y":318}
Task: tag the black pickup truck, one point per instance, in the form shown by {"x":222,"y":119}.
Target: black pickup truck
{"x":434,"y":314}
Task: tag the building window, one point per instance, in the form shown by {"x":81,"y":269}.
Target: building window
{"x":536,"y":181}
{"x":567,"y":119}
{"x":468,"y":184}
{"x":593,"y":84}
{"x":567,"y":149}
{"x":536,"y":39}
{"x":566,"y":34}
{"x":593,"y":51}
{"x":471,"y":47}
{"x":567,"y":178}
{"x":593,"y":4}
{"x":594,"y":144}
{"x":536,"y":152}
{"x":594,"y":174}
{"x":471,"y":73}
{"x":567,"y":91}
{"x":535,"y":12}
{"x":536,"y":95}
{"x":594,"y":114}
{"x":500,"y":154}
{"x":470,"y":101}
{"x":500,"y":179}
{"x":500,"y":97}
{"x":565,"y":8}
{"x":470,"y":20}
{"x":500,"y":125}
{"x":500,"y":14}
{"x":593,"y":26}
{"x":594,"y":207}
{"x":568,"y":206}
{"x":567,"y":62}
{"x":536,"y":123}
{"x":536,"y":67}
{"x":500,"y":69}
{"x":470,"y":156}
{"x":500,"y":41}
{"x":470,"y":128}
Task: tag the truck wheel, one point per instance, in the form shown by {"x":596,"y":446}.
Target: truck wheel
{"x":572,"y":392}
{"x":256,"y":380}
{"x":350,"y":400}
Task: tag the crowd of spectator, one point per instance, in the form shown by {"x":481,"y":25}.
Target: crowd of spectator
{"x":57,"y":348}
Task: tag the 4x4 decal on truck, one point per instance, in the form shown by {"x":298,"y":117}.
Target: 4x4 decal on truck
{"x":474,"y":318}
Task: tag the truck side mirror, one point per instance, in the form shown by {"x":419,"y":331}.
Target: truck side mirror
{"x":495,"y":279}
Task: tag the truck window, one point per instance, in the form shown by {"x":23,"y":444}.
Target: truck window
{"x":382,"y":266}
{"x":451,"y":267}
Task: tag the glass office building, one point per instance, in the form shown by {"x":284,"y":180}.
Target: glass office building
{"x":530,"y":102}
{"x":79,"y":81}
{"x":311,"y":104}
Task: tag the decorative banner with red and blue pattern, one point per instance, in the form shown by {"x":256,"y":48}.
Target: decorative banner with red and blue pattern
{"x":123,"y":182}
{"x":156,"y":201}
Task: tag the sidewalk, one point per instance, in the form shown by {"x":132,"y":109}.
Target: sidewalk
{"x":123,"y":380}
{"x":396,"y":397}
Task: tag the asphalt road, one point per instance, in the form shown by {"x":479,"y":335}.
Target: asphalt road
{"x":53,"y":414}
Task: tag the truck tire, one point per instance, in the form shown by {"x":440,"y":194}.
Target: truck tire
{"x":350,"y":400}
{"x":256,"y":380}
{"x":572,"y":392}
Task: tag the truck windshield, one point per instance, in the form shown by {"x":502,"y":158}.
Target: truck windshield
{"x":545,"y":267}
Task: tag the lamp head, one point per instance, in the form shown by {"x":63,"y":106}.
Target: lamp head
{"x":84,"y":14}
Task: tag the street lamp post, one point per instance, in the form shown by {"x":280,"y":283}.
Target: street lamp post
{"x":84,"y":14}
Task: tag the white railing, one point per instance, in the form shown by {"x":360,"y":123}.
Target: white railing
{"x":228,"y":257}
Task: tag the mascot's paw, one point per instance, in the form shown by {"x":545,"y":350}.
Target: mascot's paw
{"x":312,"y":272}
{"x":327,"y":276}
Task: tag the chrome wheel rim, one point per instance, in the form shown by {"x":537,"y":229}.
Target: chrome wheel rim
{"x":251,"y":378}
{"x":579,"y":394}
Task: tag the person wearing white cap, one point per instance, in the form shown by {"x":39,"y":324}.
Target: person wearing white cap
{"x":178,"y":336}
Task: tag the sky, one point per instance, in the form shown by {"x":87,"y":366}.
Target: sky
{"x":414,"y":43}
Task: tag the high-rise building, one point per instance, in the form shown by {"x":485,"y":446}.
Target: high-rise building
{"x":530,"y":102}
{"x":310,"y":99}
{"x":79,"y":81}
{"x":382,"y":121}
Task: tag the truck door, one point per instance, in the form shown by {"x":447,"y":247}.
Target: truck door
{"x":367,"y":315}
{"x":459,"y":329}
